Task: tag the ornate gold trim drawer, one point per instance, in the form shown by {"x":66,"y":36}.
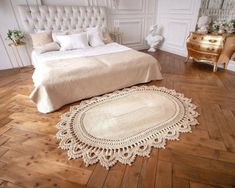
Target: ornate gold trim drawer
{"x":205,"y":47}
{"x":199,"y":56}
{"x":214,"y":39}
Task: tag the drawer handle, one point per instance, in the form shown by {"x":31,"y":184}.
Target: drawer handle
{"x":195,"y":46}
{"x":212,"y":41}
{"x":210,"y":49}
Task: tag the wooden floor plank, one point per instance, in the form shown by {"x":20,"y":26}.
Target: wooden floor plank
{"x":203,"y":176}
{"x":180,"y":183}
{"x":180,"y":158}
{"x":164,"y":175}
{"x":29,"y":156}
{"x":132,"y":174}
{"x":149,"y":169}
{"x":95,"y":179}
{"x":115,"y":176}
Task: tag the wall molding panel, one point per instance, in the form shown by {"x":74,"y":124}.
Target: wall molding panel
{"x":131,"y":7}
{"x":177,"y":26}
{"x":179,"y":16}
{"x":136,"y":25}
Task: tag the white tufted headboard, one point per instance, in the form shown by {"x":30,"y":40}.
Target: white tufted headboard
{"x":61,"y":18}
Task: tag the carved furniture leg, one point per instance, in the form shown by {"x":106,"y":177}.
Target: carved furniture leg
{"x":225,"y":66}
{"x":186,"y":60}
{"x":215,"y":67}
{"x":229,"y":49}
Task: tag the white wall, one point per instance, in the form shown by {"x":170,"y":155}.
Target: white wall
{"x":177,"y":18}
{"x":135,"y":18}
{"x":9,"y":19}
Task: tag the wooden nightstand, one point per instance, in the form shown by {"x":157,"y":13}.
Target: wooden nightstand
{"x":209,"y":48}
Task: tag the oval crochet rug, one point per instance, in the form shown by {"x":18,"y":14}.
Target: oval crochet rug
{"x":121,"y":125}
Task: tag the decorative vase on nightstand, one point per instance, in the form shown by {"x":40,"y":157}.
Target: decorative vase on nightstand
{"x":16,"y":36}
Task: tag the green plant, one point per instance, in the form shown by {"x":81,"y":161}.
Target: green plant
{"x":218,"y":25}
{"x":231,"y":26}
{"x":215,"y":26}
{"x":15,"y":36}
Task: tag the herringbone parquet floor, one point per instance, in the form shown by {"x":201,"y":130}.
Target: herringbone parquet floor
{"x":205,"y":158}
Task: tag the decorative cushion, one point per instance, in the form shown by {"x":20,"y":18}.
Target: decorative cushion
{"x":74,"y":41}
{"x":41,"y":38}
{"x":94,"y":35}
{"x":53,"y":46}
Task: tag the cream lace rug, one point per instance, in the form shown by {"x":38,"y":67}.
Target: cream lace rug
{"x":123,"y":124}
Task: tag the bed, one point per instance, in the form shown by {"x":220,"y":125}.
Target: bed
{"x":63,"y":77}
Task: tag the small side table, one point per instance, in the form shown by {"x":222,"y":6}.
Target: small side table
{"x":116,"y":36}
{"x":18,"y":59}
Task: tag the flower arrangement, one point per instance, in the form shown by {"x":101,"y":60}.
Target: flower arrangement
{"x":219,"y":26}
{"x":230,"y":26}
{"x":215,"y":26}
{"x":16,"y":36}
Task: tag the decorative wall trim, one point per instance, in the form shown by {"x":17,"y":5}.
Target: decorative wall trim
{"x":132,"y":9}
{"x":177,"y":18}
{"x":184,"y":26}
{"x":130,"y":23}
{"x":176,"y":9}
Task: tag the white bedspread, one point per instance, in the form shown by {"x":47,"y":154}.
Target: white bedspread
{"x":92,"y":51}
{"x":64,"y":77}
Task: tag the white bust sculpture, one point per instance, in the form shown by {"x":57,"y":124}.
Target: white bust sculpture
{"x":203,"y":24}
{"x":153,"y":38}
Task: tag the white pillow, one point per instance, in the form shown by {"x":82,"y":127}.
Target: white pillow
{"x":67,"y":32}
{"x":75,"y":41}
{"x":94,"y":36}
{"x":53,"y":46}
{"x":58,"y":33}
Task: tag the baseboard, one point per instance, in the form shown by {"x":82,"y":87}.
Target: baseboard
{"x":231,"y":65}
{"x":174,"y":51}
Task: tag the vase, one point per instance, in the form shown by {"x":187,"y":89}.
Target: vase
{"x":17,"y":41}
{"x":221,"y":31}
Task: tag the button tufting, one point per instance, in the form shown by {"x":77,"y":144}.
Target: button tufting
{"x":63,"y":17}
